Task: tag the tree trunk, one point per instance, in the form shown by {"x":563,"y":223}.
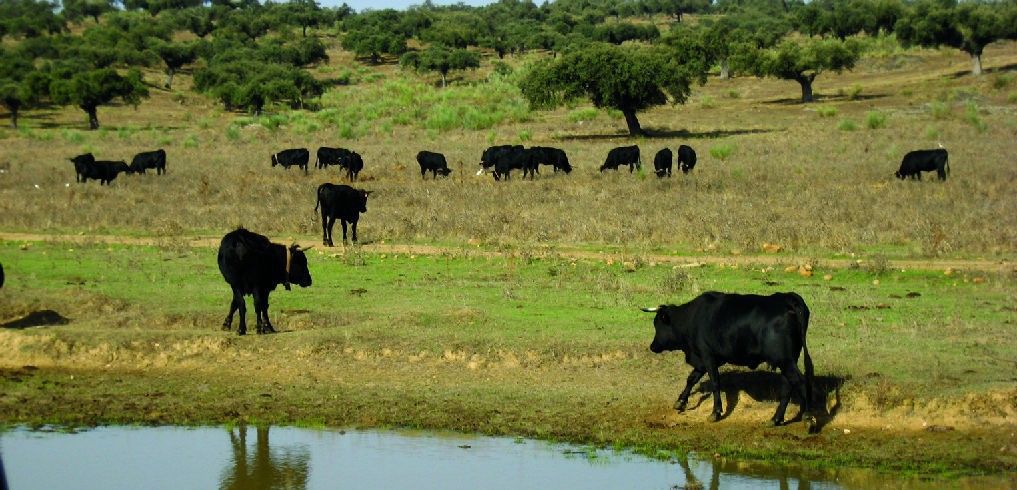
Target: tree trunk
{"x":806,"y":83}
{"x":725,"y":69}
{"x":632,"y":122}
{"x":442,"y":79}
{"x":305,"y":31}
{"x":976,"y":64}
{"x":14,"y":117}
{"x":93,"y":117}
{"x":169,"y":77}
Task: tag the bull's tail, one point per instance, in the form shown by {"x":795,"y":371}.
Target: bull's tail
{"x":802,"y":312}
{"x":317,"y":198}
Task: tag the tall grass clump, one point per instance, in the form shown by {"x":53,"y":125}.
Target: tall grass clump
{"x":233,"y":132}
{"x":847,"y":125}
{"x":707,"y":102}
{"x":584,"y":114}
{"x":826,"y":111}
{"x":939,"y":109}
{"x":191,"y":141}
{"x":1002,"y":81}
{"x":722,"y":151}
{"x":1012,"y":98}
{"x":525,"y":136}
{"x":875,"y":120}
{"x":972,"y":116}
{"x":73,"y":136}
{"x":932,"y":133}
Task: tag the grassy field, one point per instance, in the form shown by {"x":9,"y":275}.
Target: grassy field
{"x":540,"y":335}
{"x":548,"y":347}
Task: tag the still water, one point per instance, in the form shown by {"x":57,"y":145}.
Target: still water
{"x":151,"y":458}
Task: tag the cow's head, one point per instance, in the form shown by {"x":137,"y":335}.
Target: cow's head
{"x":444,"y":171}
{"x":361,"y":202}
{"x":666,"y":336}
{"x":898,"y":175}
{"x":83,"y":159}
{"x":296,"y":267}
{"x":275,"y":161}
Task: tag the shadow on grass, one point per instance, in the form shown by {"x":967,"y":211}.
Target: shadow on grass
{"x":824,"y":98}
{"x":765,"y":386}
{"x":41,"y":318}
{"x":985,"y":71}
{"x":680,"y":133}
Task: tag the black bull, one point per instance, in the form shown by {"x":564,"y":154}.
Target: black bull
{"x":740,"y":329}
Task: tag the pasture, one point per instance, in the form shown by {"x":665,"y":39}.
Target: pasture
{"x":523,"y":317}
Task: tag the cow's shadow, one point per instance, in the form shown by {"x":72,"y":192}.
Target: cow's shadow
{"x":765,"y":386}
{"x":41,"y":318}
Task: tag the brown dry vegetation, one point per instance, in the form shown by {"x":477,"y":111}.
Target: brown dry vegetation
{"x":792,"y":179}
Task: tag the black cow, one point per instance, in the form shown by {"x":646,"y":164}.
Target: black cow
{"x":1,"y":275}
{"x":918,"y":161}
{"x":353,"y":164}
{"x":330,"y":156}
{"x":686,"y":158}
{"x":741,"y":329}
{"x":432,"y":162}
{"x":515,"y":159}
{"x":343,"y":202}
{"x":149,"y":159}
{"x":662,"y":162}
{"x":291,"y":157}
{"x":253,"y":265}
{"x":82,"y":164}
{"x":105,"y":171}
{"x":491,"y":154}
{"x":555,"y":157}
{"x":623,"y":155}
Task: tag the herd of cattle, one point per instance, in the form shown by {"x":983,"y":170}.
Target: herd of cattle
{"x":711,"y":330}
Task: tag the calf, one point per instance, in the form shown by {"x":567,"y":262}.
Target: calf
{"x":291,"y":157}
{"x":149,"y":159}
{"x":252,"y":265}
{"x":918,"y":161}
{"x":432,"y":162}
{"x":623,"y":155}
{"x":741,"y":329}
{"x":662,"y":163}
{"x":686,"y":158}
{"x":343,"y":202}
{"x":82,"y":164}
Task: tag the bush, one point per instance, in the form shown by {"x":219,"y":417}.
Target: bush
{"x":875,"y":120}
{"x":847,"y":125}
{"x":722,"y":151}
{"x":852,"y":92}
{"x":585,"y":114}
{"x":826,"y":111}
{"x":939,"y":110}
{"x":191,"y":141}
{"x":932,"y":133}
{"x":73,"y":136}
{"x":734,"y":94}
{"x":525,"y":136}
{"x":1002,"y":81}
{"x":233,"y":132}
{"x":971,"y":115}
{"x":1012,"y":98}
{"x":708,"y":102}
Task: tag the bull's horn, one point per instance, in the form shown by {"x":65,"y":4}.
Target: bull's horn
{"x":650,"y":310}
{"x":305,"y":249}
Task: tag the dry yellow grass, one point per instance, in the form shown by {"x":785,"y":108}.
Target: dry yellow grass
{"x":793,"y":179}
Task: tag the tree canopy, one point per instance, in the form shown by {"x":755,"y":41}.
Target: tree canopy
{"x":968,"y":26}
{"x":90,"y":88}
{"x":441,"y":59}
{"x":801,"y":60}
{"x":628,"y":78}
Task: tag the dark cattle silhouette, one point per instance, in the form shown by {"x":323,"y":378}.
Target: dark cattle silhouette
{"x":291,"y":157}
{"x":1,"y":275}
{"x":662,"y":163}
{"x":342,"y":202}
{"x":326,"y":156}
{"x":918,"y":161}
{"x":435,"y":163}
{"x":623,"y":155}
{"x":686,"y":158}
{"x":490,"y":155}
{"x":741,"y":329}
{"x":149,"y":159}
{"x":353,"y":165}
{"x":82,"y":164}
{"x":556,"y":157}
{"x":252,"y":265}
{"x":515,"y":159}
{"x":104,"y":171}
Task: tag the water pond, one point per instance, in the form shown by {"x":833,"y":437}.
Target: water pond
{"x":152,"y":458}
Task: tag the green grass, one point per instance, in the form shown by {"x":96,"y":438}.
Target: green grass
{"x":478,"y":344}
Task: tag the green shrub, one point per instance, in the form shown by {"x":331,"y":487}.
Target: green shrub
{"x":584,"y":114}
{"x":875,"y":120}
{"x":126,"y":132}
{"x":972,"y":116}
{"x":847,"y":125}
{"x":854,"y":92}
{"x":932,"y":133}
{"x":722,"y":151}
{"x":191,"y":141}
{"x":826,"y":111}
{"x":233,"y":132}
{"x":165,"y":140}
{"x":707,"y":102}
{"x":73,"y":136}
{"x":734,"y":94}
{"x":939,"y":110}
{"x":1002,"y":81}
{"x":1012,"y":98}
{"x":347,"y":131}
{"x":525,"y":136}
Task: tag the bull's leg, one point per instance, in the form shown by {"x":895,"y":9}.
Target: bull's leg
{"x":266,"y":326}
{"x":794,"y":382}
{"x":717,"y":407}
{"x":236,"y":303}
{"x":238,"y":300}
{"x":683,"y":398}
{"x":343,"y":221}
{"x":354,"y":226}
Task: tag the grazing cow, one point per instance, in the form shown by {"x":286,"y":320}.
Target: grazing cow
{"x":82,"y":163}
{"x":555,"y":157}
{"x":104,"y":171}
{"x":686,"y":158}
{"x":623,"y":155}
{"x":149,"y":159}
{"x":1,"y":275}
{"x":343,"y":202}
{"x":330,"y":156}
{"x":433,"y":162}
{"x":741,"y":329}
{"x":353,"y":165}
{"x":253,"y":265}
{"x":291,"y":157}
{"x":662,"y":163}
{"x":918,"y":161}
{"x":491,"y":154}
{"x":521,"y":159}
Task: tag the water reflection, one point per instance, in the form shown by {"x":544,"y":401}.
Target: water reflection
{"x":282,"y":468}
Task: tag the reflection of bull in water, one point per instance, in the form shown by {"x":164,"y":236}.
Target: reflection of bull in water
{"x":265,"y":469}
{"x":786,"y":477}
